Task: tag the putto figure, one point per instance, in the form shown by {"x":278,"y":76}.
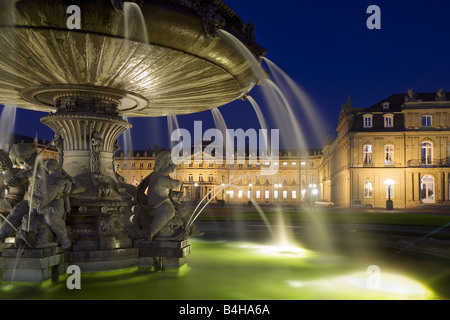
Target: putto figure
{"x":49,"y":203}
{"x":10,"y":196}
{"x":159,"y":214}
{"x":23,"y":155}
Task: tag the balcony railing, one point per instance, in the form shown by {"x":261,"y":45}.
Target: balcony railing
{"x":429,"y":163}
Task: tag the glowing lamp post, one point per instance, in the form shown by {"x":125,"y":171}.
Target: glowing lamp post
{"x":389,"y":203}
{"x":314,"y":192}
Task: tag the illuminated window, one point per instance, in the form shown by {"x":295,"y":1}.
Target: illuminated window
{"x":258,"y":194}
{"x":368,"y":155}
{"x":240,"y":194}
{"x":275,"y":194}
{"x":285,"y":194}
{"x":427,"y":153}
{"x":389,"y":155}
{"x":368,"y":189}
{"x":294,"y":194}
{"x":367,"y":121}
{"x":267,"y":194}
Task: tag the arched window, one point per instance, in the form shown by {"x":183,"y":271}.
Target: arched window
{"x":427,"y":189}
{"x":426,"y":153}
{"x":388,"y":121}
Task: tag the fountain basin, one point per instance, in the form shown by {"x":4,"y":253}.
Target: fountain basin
{"x":219,"y":270}
{"x":185,"y":67}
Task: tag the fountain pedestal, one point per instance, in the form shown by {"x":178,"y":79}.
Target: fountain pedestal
{"x":33,"y":265}
{"x":163,"y":254}
{"x":89,"y":126}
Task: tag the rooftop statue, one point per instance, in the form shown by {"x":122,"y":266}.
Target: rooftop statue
{"x":440,"y":95}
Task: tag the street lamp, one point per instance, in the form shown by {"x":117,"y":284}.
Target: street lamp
{"x":389,"y":203}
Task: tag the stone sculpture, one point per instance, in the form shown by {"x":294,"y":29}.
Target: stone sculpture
{"x":11,"y":195}
{"x":23,"y":155}
{"x":39,"y":199}
{"x":49,"y":204}
{"x":159,"y":213}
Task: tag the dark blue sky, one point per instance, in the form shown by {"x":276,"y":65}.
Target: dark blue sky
{"x":327,"y":49}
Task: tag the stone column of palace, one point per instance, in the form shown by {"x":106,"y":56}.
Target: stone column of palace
{"x":89,"y":128}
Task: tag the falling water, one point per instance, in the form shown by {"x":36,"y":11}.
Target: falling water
{"x":172,"y":123}
{"x":7,"y":126}
{"x":135,"y":27}
{"x":286,"y":119}
{"x":220,"y":123}
{"x":255,"y":65}
{"x":259,"y":114}
{"x":274,"y":98}
{"x":298,"y":96}
{"x":127,"y":142}
{"x":284,"y":110}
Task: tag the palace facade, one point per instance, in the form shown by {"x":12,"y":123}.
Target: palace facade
{"x":398,"y":148}
{"x":297,"y":175}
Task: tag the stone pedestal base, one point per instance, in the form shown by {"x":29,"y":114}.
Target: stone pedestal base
{"x":105,"y":260}
{"x":33,"y":265}
{"x":162,"y":254}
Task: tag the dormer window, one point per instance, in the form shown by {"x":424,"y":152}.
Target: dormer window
{"x":367,"y":121}
{"x":388,"y":121}
{"x":385,"y":105}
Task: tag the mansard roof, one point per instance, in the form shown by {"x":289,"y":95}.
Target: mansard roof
{"x":411,"y":100}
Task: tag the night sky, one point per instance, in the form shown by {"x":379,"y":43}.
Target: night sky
{"x":327,"y":49}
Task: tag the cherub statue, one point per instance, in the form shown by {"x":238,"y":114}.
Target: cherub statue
{"x":49,"y":204}
{"x":11,"y":195}
{"x":158,"y":214}
{"x":23,"y":155}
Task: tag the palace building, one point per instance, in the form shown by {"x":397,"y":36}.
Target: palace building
{"x":297,"y":173}
{"x":397,"y":149}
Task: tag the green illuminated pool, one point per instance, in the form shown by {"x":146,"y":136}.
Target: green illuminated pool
{"x":218,"y":270}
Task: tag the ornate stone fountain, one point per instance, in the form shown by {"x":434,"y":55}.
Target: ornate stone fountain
{"x":89,"y":78}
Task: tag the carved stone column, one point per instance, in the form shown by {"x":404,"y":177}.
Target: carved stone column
{"x":89,"y":127}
